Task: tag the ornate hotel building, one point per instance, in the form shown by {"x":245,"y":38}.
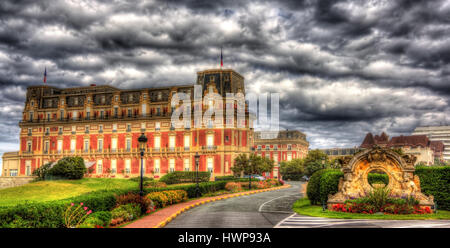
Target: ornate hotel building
{"x":282,"y":146}
{"x":102,"y":124}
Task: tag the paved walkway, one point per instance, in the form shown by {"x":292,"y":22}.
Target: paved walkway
{"x":165,"y":215}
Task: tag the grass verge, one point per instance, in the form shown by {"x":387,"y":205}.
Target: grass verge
{"x":42,"y":191}
{"x":303,"y":206}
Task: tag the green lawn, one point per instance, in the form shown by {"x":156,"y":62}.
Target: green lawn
{"x":303,"y":207}
{"x":55,"y":190}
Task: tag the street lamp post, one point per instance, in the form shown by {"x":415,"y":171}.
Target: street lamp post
{"x":197,"y":189}
{"x":142,"y":141}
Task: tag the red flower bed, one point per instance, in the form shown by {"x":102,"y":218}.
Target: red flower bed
{"x":365,"y":208}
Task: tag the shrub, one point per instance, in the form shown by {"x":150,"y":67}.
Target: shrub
{"x":205,"y":187}
{"x":185,"y":177}
{"x":126,"y":212}
{"x":255,"y":185}
{"x":273,"y":182}
{"x":69,"y":167}
{"x":42,"y":171}
{"x":434,"y":181}
{"x":313,"y":188}
{"x":145,"y":179}
{"x":49,"y":214}
{"x":329,"y":182}
{"x":134,"y":198}
{"x":225,"y":178}
{"x":30,"y":215}
{"x":155,"y":184}
{"x":379,"y":197}
{"x":159,"y":199}
{"x":167,"y":197}
{"x":378,"y":178}
{"x":104,"y":216}
{"x":98,"y":219}
{"x":91,"y":222}
{"x":233,"y":186}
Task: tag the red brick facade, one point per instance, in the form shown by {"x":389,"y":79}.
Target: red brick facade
{"x":103,"y":123}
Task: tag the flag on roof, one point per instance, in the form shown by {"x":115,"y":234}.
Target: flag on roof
{"x":221,"y":58}
{"x":45,"y":75}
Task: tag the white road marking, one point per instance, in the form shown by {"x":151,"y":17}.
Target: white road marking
{"x":422,"y":225}
{"x":298,"y":221}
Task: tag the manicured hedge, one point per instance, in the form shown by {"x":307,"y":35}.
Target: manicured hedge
{"x":225,"y":178}
{"x":205,"y":187}
{"x":49,"y":214}
{"x":329,"y":184}
{"x":378,"y":178}
{"x":313,"y":188}
{"x":433,"y":181}
{"x":436,"y":181}
{"x":185,"y":177}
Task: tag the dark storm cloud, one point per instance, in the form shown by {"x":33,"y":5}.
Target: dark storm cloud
{"x":342,"y":68}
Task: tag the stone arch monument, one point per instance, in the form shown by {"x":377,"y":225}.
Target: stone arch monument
{"x":399,"y":169}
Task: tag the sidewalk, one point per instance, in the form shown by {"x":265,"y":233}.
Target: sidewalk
{"x":167,"y":214}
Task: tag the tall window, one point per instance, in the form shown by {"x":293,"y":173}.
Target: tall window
{"x":99,"y":166}
{"x":46,"y":146}
{"x":28,"y":168}
{"x":172,"y":165}
{"x":114,"y":144}
{"x":210,"y":164}
{"x":113,"y":166}
{"x":60,"y":145}
{"x":127,"y":166}
{"x":210,"y":140}
{"x":157,"y":125}
{"x":86,"y":145}
{"x":157,"y":164}
{"x":100,"y":145}
{"x":157,"y":142}
{"x":186,"y":164}
{"x":114,"y":127}
{"x":289,"y":157}
{"x":128,"y":144}
{"x":72,"y":145}
{"x":29,"y":145}
{"x":186,"y":142}
{"x":171,"y":142}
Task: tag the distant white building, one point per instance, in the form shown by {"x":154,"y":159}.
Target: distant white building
{"x":437,"y":133}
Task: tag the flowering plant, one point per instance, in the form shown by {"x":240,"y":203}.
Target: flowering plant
{"x":75,"y":215}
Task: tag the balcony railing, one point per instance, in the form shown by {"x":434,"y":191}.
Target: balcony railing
{"x":209,"y":148}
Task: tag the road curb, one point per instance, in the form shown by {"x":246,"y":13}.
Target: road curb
{"x":173,"y":216}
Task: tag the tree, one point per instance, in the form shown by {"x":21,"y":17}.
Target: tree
{"x":293,"y":169}
{"x":336,"y":163}
{"x":42,"y":171}
{"x":251,"y":165}
{"x":69,"y":167}
{"x":314,"y":161}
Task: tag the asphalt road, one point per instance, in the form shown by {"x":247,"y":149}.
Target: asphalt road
{"x":253,"y":211}
{"x":273,"y":209}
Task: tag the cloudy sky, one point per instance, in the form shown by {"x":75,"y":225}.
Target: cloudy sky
{"x":342,"y":68}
